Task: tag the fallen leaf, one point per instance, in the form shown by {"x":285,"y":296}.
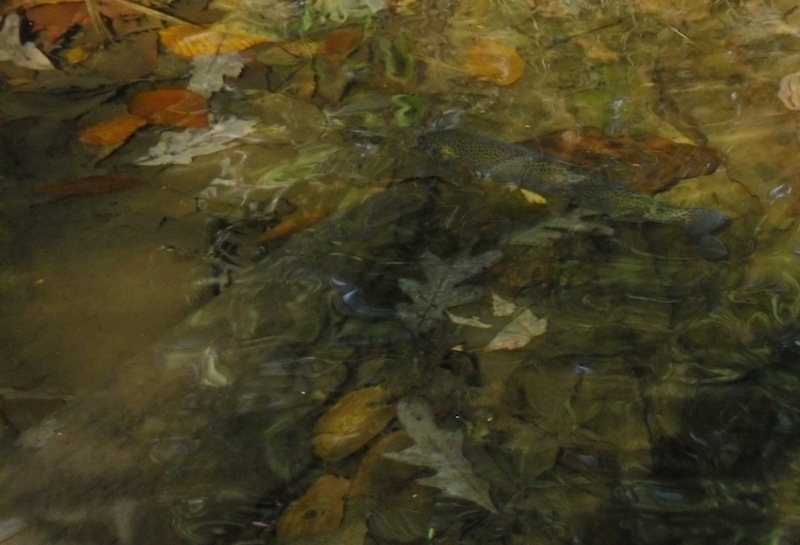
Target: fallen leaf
{"x":172,"y":107}
{"x":495,"y":62}
{"x":181,"y":147}
{"x":76,"y":55}
{"x":471,"y":322}
{"x":502,"y":307}
{"x":340,"y":43}
{"x":54,"y":20}
{"x":789,"y":91}
{"x":293,"y":223}
{"x":319,"y":510}
{"x":209,"y":72}
{"x":11,"y":49}
{"x":113,"y":132}
{"x":517,"y":333}
{"x":440,"y":450}
{"x":594,"y":49}
{"x":91,"y":185}
{"x":191,"y":41}
{"x":441,"y":290}
{"x":532,"y":197}
{"x":353,"y":422}
{"x":140,"y":52}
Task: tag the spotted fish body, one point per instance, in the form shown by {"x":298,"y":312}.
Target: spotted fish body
{"x":516,"y":165}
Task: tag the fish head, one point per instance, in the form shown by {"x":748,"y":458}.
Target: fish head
{"x":440,"y":145}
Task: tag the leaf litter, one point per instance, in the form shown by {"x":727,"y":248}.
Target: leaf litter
{"x":445,"y":280}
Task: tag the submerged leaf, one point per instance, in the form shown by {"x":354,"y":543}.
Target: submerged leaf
{"x":11,"y":49}
{"x":209,"y":72}
{"x":789,"y":91}
{"x":113,"y":132}
{"x":519,"y":332}
{"x":172,"y":107}
{"x":179,"y":148}
{"x":471,"y":322}
{"x":191,"y":41}
{"x":320,"y":510}
{"x":502,"y":307}
{"x":440,"y":450}
{"x":495,"y":62}
{"x":293,"y":223}
{"x":441,"y":290}
{"x":352,"y":422}
{"x":340,"y":43}
{"x":55,"y":20}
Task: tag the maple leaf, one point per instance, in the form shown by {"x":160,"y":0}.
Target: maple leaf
{"x":441,"y":290}
{"x":439,"y":449}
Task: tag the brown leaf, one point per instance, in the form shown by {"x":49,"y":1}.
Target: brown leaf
{"x":643,"y":162}
{"x":495,"y":62}
{"x":113,"y":132}
{"x":353,"y":422}
{"x":91,"y":185}
{"x":173,"y":107}
{"x":319,"y":510}
{"x":140,"y":52}
{"x":340,"y":43}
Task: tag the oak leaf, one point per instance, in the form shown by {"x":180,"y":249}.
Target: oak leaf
{"x":442,"y":288}
{"x":440,"y":450}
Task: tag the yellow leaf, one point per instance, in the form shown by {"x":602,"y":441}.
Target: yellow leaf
{"x":190,"y":41}
{"x":76,"y":55}
{"x":495,"y":62}
{"x":532,"y":197}
{"x":353,"y":422}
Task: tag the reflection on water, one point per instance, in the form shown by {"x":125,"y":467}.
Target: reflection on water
{"x":620,"y":421}
{"x":548,"y":374}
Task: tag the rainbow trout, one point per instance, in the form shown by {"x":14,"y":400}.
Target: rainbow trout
{"x":552,"y":178}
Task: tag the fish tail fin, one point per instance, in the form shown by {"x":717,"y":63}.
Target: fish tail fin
{"x":703,"y":221}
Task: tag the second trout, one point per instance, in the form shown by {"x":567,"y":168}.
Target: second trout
{"x":552,"y":178}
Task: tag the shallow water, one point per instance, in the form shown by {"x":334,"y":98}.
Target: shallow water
{"x":541,"y":374}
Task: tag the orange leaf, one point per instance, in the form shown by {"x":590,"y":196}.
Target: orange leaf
{"x":113,"y":132}
{"x":173,"y":107}
{"x":56,"y":19}
{"x":495,"y":62}
{"x":91,"y":185}
{"x":190,"y":41}
{"x":293,"y":223}
{"x":319,"y":510}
